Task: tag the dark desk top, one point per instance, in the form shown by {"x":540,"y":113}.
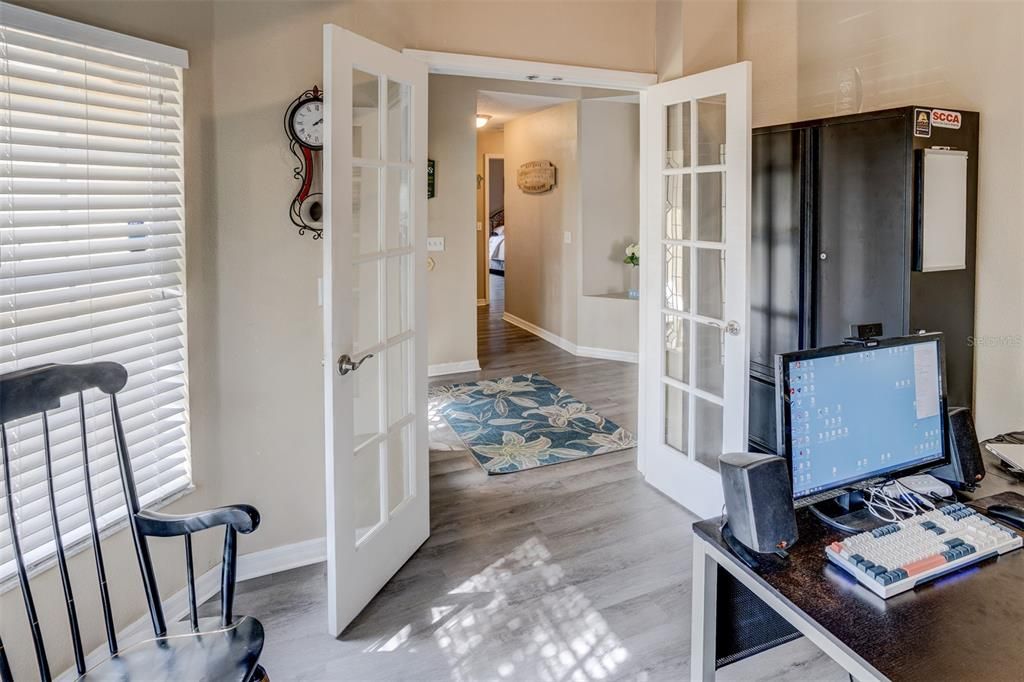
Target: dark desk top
{"x":967,"y":625}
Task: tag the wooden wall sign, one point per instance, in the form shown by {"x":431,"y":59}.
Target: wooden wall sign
{"x":536,"y":177}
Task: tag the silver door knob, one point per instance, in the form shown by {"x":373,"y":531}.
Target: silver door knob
{"x":732,"y":327}
{"x":346,"y":365}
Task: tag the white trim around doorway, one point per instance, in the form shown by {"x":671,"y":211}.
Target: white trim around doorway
{"x":455,"y":64}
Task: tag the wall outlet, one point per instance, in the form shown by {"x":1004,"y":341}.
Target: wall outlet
{"x":568,"y":237}
{"x":435,"y":243}
{"x":479,"y":227}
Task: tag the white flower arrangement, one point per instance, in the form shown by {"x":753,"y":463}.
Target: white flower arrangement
{"x":632,"y":255}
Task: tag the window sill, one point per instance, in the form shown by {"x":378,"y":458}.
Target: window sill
{"x":10,"y":581}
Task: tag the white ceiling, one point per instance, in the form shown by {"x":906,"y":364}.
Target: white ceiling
{"x":502,"y":107}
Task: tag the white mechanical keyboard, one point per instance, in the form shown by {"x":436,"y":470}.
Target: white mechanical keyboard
{"x":899,"y":556}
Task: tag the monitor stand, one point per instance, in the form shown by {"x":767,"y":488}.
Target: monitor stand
{"x":847,"y":513}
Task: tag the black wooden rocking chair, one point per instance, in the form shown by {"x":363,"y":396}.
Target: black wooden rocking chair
{"x":213,"y":649}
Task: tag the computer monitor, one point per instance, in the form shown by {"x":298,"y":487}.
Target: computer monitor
{"x":855,"y":412}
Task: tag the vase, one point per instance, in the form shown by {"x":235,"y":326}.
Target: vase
{"x":634,"y":282}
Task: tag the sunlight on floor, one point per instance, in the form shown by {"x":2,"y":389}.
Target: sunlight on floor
{"x":561,"y":637}
{"x":440,"y":436}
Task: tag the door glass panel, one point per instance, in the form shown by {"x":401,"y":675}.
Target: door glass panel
{"x":366,"y":305}
{"x":707,"y":443}
{"x":365,"y":216}
{"x":366,"y":401}
{"x":677,"y":418}
{"x":397,"y":208}
{"x":366,"y":480}
{"x":710,"y":206}
{"x":708,"y":351}
{"x":399,"y":455}
{"x":710,"y":282}
{"x":711,"y":131}
{"x":365,"y":119}
{"x":677,"y":206}
{"x":398,"y":371}
{"x":677,"y":348}
{"x":398,"y":121}
{"x":677,"y":276}
{"x":677,"y":138}
{"x":398,"y":276}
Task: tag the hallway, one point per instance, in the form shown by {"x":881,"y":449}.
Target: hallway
{"x":579,"y":571}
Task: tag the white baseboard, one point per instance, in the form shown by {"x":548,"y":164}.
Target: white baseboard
{"x":569,"y":346}
{"x":481,"y":301}
{"x":283,"y":558}
{"x":548,"y":336}
{"x":253,"y":565}
{"x":443,"y":368}
{"x":608,"y":354}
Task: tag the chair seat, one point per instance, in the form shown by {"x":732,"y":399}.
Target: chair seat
{"x":215,"y":653}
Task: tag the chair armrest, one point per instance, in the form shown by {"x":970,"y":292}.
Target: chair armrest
{"x":243,"y":518}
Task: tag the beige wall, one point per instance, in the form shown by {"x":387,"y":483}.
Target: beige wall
{"x":452,"y":285}
{"x":967,"y":55}
{"x":254,"y":323}
{"x":609,"y":144}
{"x":693,"y":36}
{"x":610,"y":193}
{"x":540,"y":268}
{"x":487,"y":142}
{"x":668,"y":39}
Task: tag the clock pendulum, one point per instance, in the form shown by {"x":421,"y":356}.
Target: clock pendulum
{"x":304,"y":125}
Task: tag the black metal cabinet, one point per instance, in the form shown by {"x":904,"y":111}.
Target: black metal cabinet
{"x":833,"y":220}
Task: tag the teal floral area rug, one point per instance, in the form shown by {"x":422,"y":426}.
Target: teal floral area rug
{"x":525,"y":421}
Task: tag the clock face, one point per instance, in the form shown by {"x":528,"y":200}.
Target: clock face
{"x":307,"y":123}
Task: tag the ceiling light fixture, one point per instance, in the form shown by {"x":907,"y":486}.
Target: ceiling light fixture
{"x":481,"y":120}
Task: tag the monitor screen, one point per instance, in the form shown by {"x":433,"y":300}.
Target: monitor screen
{"x":852,"y":413}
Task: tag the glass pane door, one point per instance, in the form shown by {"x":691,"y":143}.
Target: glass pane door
{"x":374,"y":306}
{"x":694,"y":363}
{"x":382,"y":291}
{"x":693,"y":177}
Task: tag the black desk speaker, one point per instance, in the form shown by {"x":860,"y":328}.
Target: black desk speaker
{"x":759,"y":500}
{"x":966,"y":468}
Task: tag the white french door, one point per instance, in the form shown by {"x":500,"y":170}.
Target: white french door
{"x":375,"y":225}
{"x":694,"y":301}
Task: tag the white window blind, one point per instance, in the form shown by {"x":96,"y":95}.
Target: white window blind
{"x":91,"y":262}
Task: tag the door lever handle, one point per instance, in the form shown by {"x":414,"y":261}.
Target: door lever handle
{"x":346,"y":365}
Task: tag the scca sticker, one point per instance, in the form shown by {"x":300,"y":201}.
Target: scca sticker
{"x":941,"y":118}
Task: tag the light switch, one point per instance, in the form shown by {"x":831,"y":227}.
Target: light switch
{"x":479,"y":227}
{"x":568,"y":237}
{"x":435,"y":243}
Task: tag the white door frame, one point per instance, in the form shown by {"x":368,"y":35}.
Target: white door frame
{"x":477,"y":66}
{"x":487,"y":221}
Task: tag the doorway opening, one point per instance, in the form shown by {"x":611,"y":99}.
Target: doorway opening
{"x":494,"y":224}
{"x":397,"y":251}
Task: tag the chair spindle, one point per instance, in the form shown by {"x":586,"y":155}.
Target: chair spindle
{"x":26,"y":591}
{"x":58,"y":540}
{"x":5,"y":667}
{"x":101,"y":572}
{"x":131,"y":496}
{"x":227,"y":580}
{"x":193,"y":607}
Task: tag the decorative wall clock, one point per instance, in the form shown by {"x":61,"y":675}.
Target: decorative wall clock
{"x":304,"y":125}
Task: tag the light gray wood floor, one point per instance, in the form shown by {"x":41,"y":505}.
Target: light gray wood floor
{"x":578,"y":571}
